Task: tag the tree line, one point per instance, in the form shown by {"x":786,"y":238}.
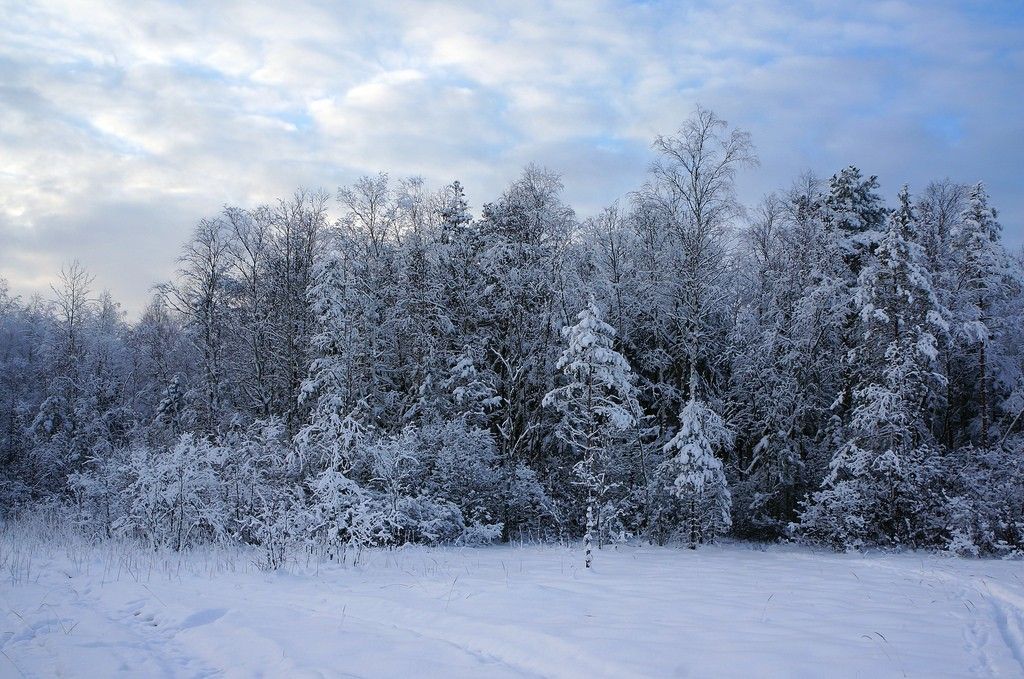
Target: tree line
{"x":820,"y":367}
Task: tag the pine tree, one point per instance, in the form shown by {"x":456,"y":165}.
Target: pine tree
{"x":863,"y":497}
{"x":855,"y":211}
{"x":453,"y":211}
{"x":982,"y":280}
{"x":696,"y":476}
{"x":471,"y":393}
{"x":597,"y":398}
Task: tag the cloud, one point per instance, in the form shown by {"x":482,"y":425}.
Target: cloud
{"x":123,"y":123}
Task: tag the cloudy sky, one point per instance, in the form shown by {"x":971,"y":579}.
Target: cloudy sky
{"x":123,"y":123}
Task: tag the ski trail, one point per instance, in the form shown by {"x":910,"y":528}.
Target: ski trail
{"x":1009,"y":615}
{"x":157,"y":635}
{"x":977,"y":637}
{"x":1007,"y":612}
{"x":510,"y":648}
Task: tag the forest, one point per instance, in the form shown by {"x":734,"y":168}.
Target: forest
{"x":822,"y":367}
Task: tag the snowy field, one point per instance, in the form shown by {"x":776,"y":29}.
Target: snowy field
{"x":78,"y":611}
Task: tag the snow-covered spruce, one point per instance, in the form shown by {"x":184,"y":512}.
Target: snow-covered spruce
{"x":695,"y":474}
{"x":866,"y":497}
{"x":597,"y":398}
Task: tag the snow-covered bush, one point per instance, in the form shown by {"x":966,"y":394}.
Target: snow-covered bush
{"x":343,"y":516}
{"x":428,"y":520}
{"x":983,"y":512}
{"x":476,"y":534}
{"x":100,"y":494}
{"x":176,"y":497}
{"x":465,"y":470}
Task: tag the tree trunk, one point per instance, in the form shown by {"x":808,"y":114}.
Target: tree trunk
{"x":693,"y":523}
{"x":588,"y":537}
{"x":983,"y":395}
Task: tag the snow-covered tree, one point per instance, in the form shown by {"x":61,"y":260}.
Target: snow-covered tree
{"x":695,"y":474}
{"x":983,"y":278}
{"x":453,"y":210}
{"x":336,"y":383}
{"x":690,"y":198}
{"x":863,"y":497}
{"x":598,"y":397}
{"x":200,"y":296}
{"x":784,"y":342}
{"x":382,"y":378}
{"x":472,"y":394}
{"x":856,"y":212}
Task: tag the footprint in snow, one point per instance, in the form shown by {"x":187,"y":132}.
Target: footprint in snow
{"x":203,"y":617}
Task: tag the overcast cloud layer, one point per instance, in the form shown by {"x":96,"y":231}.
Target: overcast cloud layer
{"x":121,"y":124}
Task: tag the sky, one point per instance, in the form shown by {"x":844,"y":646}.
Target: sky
{"x":124,"y":123}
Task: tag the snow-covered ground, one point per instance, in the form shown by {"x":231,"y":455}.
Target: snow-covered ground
{"x":73,"y":610}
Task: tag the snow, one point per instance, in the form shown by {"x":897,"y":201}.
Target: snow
{"x":72,"y":610}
